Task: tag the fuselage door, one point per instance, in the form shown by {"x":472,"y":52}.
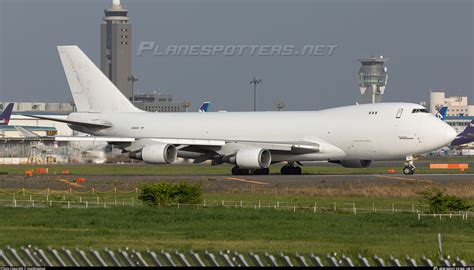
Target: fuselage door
{"x":399,"y":113}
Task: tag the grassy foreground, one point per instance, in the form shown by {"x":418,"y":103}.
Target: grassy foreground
{"x":237,"y":229}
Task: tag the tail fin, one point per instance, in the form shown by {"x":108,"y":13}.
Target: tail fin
{"x":5,"y":117}
{"x":205,"y":106}
{"x":441,"y":114}
{"x":466,"y":136}
{"x":91,"y":90}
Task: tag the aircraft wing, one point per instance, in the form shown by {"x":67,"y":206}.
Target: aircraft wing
{"x":26,"y":133}
{"x":230,"y":147}
{"x":201,"y":150}
{"x":141,"y":143}
{"x":297,"y":147}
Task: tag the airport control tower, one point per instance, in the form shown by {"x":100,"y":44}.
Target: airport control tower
{"x":116,"y":47}
{"x":373,"y":79}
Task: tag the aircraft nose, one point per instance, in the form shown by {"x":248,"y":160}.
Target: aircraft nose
{"x":450,"y":134}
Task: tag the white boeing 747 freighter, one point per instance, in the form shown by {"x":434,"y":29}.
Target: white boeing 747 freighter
{"x":352,"y":136}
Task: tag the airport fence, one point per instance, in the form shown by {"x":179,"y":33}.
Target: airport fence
{"x":50,"y":257}
{"x":93,"y":198}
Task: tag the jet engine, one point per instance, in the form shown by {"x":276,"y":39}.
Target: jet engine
{"x":353,"y":163}
{"x":158,"y":153}
{"x":257,"y":158}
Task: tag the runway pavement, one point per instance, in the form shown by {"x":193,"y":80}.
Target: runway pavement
{"x":336,"y":179}
{"x":228,"y":182}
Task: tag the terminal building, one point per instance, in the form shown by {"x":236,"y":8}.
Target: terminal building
{"x":459,"y":113}
{"x":39,"y":107}
{"x":157,"y":102}
{"x":39,"y":127}
{"x":39,"y":145}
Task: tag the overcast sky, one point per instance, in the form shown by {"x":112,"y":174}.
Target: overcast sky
{"x":429,"y":44}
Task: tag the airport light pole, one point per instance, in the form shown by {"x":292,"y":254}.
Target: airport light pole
{"x":133,"y":78}
{"x":280,"y":105}
{"x":255,"y":81}
{"x":186,"y":104}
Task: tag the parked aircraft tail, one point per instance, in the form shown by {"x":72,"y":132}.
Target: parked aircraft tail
{"x":205,"y":106}
{"x":441,"y":114}
{"x":466,"y":136}
{"x":5,"y":117}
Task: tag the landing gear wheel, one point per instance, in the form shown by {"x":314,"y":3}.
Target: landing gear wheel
{"x":235,"y":170}
{"x":298,"y":170}
{"x":290,"y":170}
{"x":407,"y":170}
{"x":238,"y":171}
{"x":264,"y":171}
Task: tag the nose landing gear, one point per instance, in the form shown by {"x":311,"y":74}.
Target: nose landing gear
{"x":409,"y":168}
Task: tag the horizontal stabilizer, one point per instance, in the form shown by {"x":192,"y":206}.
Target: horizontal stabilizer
{"x":82,"y":124}
{"x":93,"y":139}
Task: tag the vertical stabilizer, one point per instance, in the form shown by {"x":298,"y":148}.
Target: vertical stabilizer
{"x":205,"y":106}
{"x":441,"y":114}
{"x":91,"y":90}
{"x":5,"y":117}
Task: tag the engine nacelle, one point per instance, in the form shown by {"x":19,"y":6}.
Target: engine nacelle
{"x":353,"y":163}
{"x":253,"y":158}
{"x":158,"y":153}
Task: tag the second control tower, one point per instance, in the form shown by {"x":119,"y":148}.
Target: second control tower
{"x":373,"y":79}
{"x":116,"y":47}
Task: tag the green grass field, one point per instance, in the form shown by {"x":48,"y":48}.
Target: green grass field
{"x":300,"y":202}
{"x":237,"y":229}
{"x":283,"y":223}
{"x":231,"y":228}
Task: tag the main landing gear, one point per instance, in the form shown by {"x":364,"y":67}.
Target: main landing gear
{"x":236,"y":170}
{"x":290,"y":169}
{"x":409,"y":168}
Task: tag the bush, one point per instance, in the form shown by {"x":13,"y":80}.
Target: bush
{"x":440,"y":202}
{"x":164,"y":193}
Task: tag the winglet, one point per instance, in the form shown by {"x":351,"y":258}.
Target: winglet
{"x":5,"y":118}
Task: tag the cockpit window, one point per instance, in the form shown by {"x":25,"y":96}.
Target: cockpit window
{"x":419,"y":111}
